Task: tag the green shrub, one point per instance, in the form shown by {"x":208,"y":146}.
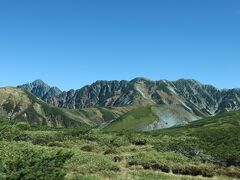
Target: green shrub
{"x":88,"y":163}
{"x":117,"y":159}
{"x":56,"y":144}
{"x":76,"y":132}
{"x":193,"y":170}
{"x":157,"y":161}
{"x":83,"y":177}
{"x":89,"y":148}
{"x":138,"y":139}
{"x":9,"y":132}
{"x":111,"y":150}
{"x":23,"y":126}
{"x":230,"y":172}
{"x":42,"y":137}
{"x":120,"y":141}
{"x":25,"y":161}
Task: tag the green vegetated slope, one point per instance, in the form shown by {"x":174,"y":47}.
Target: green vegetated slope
{"x":219,"y":136}
{"x":152,"y":117}
{"x":17,"y":104}
{"x":204,"y":149}
{"x":135,"y":119}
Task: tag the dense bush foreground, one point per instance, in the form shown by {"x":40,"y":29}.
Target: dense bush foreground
{"x":205,"y":149}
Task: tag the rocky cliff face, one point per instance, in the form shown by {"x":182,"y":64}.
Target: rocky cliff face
{"x":197,"y":98}
{"x":41,"y":89}
{"x":99,"y":94}
{"x":207,"y":98}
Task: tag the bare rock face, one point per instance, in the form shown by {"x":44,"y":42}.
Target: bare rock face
{"x":196,"y":98}
{"x":207,"y":98}
{"x":41,"y":89}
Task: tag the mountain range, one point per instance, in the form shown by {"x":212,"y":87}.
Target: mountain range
{"x":139,"y":104}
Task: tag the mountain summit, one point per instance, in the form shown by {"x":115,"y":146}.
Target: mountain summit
{"x":41,"y":89}
{"x":193,"y":96}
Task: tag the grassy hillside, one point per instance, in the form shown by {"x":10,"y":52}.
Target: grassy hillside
{"x":204,"y":149}
{"x":152,"y":117}
{"x":17,"y":104}
{"x":218,"y":136}
{"x":134,"y":120}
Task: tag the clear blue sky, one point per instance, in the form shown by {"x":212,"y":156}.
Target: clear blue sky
{"x":72,"y":43}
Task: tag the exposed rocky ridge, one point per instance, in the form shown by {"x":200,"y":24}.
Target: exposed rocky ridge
{"x":197,"y":98}
{"x":41,"y":89}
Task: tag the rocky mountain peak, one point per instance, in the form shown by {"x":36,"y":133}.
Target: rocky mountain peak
{"x":140,"y":79}
{"x":39,"y":82}
{"x":41,"y":89}
{"x":195,"y":97}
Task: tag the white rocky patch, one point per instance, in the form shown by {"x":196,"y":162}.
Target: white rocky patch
{"x":169,"y":116}
{"x":183,"y":103}
{"x":165,"y":121}
{"x":170,"y":87}
{"x":139,"y":90}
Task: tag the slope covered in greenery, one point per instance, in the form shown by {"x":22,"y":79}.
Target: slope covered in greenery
{"x":151,"y":118}
{"x":17,"y":104}
{"x":204,"y":149}
{"x":135,"y":119}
